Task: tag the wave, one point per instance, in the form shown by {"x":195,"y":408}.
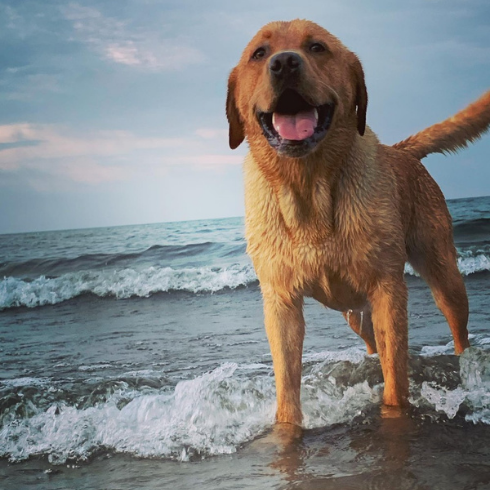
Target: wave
{"x":219,"y":411}
{"x":468,"y":264}
{"x":152,"y":255}
{"x":127,"y":283}
{"x":121,"y":284}
{"x":472,"y":228}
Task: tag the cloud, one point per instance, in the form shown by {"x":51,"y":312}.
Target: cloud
{"x":31,"y":86}
{"x":44,"y":155}
{"x":119,"y":42}
{"x":55,"y":142}
{"x":127,"y":55}
{"x":69,"y":175}
{"x":211,"y":133}
{"x":87,"y":171}
{"x":47,"y":151}
{"x":213,"y":160}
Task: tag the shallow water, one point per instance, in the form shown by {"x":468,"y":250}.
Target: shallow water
{"x":172,"y":387}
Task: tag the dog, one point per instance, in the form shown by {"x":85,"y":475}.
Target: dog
{"x":332,"y":213}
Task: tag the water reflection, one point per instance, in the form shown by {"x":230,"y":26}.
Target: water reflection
{"x":373,"y":455}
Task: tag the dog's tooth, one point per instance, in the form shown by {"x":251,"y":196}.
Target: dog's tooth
{"x":316,"y":114}
{"x":274,"y":119}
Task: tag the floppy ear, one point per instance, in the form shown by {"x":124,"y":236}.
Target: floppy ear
{"x":235,"y":123}
{"x":361,"y":98}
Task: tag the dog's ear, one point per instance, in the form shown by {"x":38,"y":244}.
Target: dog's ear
{"x":235,"y":123}
{"x":361,"y":98}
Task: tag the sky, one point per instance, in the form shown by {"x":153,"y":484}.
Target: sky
{"x":112,"y":112}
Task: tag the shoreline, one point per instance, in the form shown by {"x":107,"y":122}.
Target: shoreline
{"x":386,"y":454}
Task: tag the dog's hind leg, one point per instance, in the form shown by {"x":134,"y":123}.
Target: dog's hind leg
{"x":444,"y":279}
{"x":452,"y":300}
{"x":388,"y":301}
{"x":361,"y":322}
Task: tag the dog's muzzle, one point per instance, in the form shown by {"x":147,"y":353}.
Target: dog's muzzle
{"x":295,"y":127}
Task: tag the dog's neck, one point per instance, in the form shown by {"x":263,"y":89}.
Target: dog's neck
{"x":306,"y":189}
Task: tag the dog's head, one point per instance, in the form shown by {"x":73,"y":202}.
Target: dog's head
{"x":294,"y":83}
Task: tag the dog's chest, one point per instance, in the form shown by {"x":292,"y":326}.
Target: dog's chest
{"x":325,"y":272}
{"x":310,"y":258}
{"x":301,"y":250}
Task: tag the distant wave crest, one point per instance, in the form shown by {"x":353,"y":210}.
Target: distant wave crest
{"x":101,"y":261}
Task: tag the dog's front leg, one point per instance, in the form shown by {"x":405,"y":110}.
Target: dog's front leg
{"x":389,"y":313}
{"x":285,"y":329}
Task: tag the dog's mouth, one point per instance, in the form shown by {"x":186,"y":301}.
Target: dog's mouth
{"x":295,"y":127}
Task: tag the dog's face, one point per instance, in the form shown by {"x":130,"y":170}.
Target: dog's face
{"x":294,"y":84}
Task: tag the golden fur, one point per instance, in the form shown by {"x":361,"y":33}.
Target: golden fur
{"x":339,"y":223}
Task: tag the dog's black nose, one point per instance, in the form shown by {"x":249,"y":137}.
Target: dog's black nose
{"x":285,"y":64}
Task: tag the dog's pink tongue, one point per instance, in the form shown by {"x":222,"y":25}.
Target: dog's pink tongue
{"x":295,"y":127}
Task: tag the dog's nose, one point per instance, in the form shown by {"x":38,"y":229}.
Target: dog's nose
{"x":285,"y":64}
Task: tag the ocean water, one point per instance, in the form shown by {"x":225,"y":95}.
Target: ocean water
{"x":135,"y":357}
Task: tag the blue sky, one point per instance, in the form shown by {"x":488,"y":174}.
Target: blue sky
{"x":112,"y":113}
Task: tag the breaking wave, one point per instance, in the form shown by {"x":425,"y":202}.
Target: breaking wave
{"x":468,"y":264}
{"x":127,"y":283}
{"x":219,"y":411}
{"x":121,"y":284}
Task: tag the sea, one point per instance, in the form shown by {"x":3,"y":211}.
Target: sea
{"x":136,"y":357}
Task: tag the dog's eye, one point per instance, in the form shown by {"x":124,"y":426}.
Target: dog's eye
{"x":317,"y":48}
{"x":258,"y":53}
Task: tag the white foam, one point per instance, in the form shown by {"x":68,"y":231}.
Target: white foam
{"x":121,"y":284}
{"x":437,"y":350}
{"x":474,"y":391}
{"x":468,"y":264}
{"x":143,"y":373}
{"x":475,"y":378}
{"x":447,"y":401}
{"x":212,"y":414}
{"x":409,"y":270}
{"x":448,"y":349}
{"x":475,"y":369}
{"x":353,"y":354}
{"x":219,"y":411}
{"x":126,"y":283}
{"x":95,"y":367}
{"x":27,"y":381}
{"x":324,"y":403}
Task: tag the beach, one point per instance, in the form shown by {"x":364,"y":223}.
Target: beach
{"x":136,"y":357}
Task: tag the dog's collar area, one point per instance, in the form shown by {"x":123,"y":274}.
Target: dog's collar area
{"x":295,"y":127}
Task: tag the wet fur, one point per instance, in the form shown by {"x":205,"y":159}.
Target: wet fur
{"x":340,"y":223}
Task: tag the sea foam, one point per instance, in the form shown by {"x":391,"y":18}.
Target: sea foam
{"x":219,"y":411}
{"x":126,"y":283}
{"x":121,"y":284}
{"x":214,"y":413}
{"x":467,"y":264}
{"x":473,"y":393}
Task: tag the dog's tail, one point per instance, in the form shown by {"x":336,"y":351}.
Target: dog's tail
{"x":452,"y":134}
